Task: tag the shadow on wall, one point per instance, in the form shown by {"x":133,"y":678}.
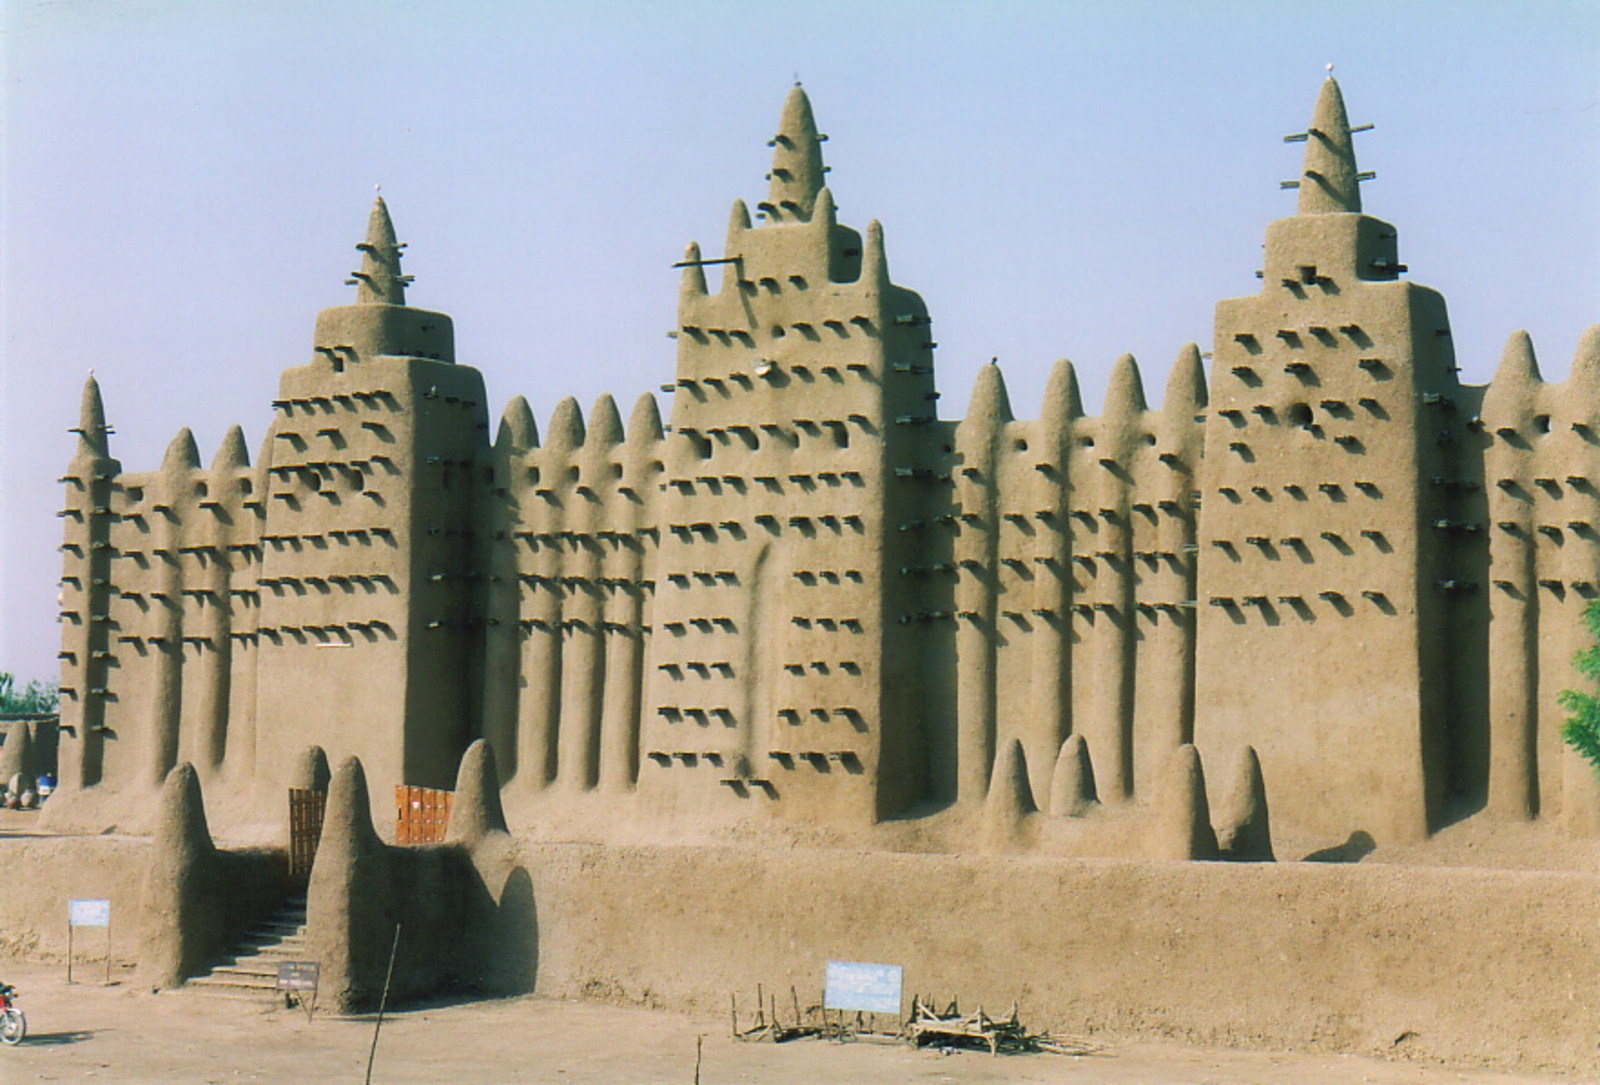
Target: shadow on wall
{"x":198,"y":897}
{"x":465,"y":909}
{"x":1358,"y":847}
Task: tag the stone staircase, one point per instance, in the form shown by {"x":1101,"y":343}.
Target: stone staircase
{"x":250,"y":969}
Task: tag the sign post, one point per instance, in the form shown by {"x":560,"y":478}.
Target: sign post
{"x":295,"y":978}
{"x":89,"y":913}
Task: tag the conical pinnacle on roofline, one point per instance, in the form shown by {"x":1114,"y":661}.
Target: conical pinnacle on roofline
{"x":1329,"y":180}
{"x":91,"y":428}
{"x":379,"y":281}
{"x":797,"y":168}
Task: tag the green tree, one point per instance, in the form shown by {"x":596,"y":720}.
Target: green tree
{"x":1582,"y":729}
{"x":35,"y":697}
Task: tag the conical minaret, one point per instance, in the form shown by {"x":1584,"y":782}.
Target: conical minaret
{"x":1332,"y":399}
{"x":91,"y":429}
{"x":372,"y":575}
{"x":1328,"y":180}
{"x":379,"y":281}
{"x":797,"y":168}
{"x":379,"y":322}
{"x":86,"y":598}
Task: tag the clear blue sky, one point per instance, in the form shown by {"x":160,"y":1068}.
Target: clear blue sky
{"x":182,"y":181}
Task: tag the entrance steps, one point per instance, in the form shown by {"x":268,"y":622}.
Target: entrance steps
{"x":250,"y":968}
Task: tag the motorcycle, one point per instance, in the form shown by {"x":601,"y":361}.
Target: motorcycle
{"x":13,"y":1025}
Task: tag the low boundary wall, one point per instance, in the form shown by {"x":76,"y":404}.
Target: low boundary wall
{"x":1474,"y":966}
{"x":39,"y":874}
{"x":1487,"y":967}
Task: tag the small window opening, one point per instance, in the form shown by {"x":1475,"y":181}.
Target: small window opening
{"x":1300,"y":415}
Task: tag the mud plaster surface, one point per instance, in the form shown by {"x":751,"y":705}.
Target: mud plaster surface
{"x":1481,"y":967}
{"x":89,"y":1032}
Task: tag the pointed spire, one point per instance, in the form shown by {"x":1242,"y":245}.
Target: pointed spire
{"x":232,"y":455}
{"x":476,"y":811}
{"x":379,"y":280}
{"x":826,"y":213}
{"x":1585,"y":375}
{"x":874,"y":259}
{"x":1010,"y":798}
{"x":990,"y":404}
{"x":1328,"y":178}
{"x":1072,"y":793}
{"x":181,"y":830}
{"x":1516,"y":381}
{"x":738,"y":223}
{"x":796,"y":161}
{"x":605,"y":423}
{"x":1063,"y":402}
{"x":1181,"y":820}
{"x":1244,"y":831}
{"x":1125,"y":390}
{"x":1186,"y":387}
{"x":644,"y":424}
{"x":264,"y":454}
{"x":518,"y":431}
{"x":347,"y":830}
{"x":311,"y":770}
{"x":693,"y":282}
{"x":182,"y":454}
{"x":92,"y":421}
{"x":566,"y":426}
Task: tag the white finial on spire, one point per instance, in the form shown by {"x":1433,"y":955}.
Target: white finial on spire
{"x":1330,"y":69}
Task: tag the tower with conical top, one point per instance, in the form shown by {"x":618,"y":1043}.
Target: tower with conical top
{"x":369,"y":608}
{"x":803,"y":399}
{"x":1326,"y":525}
{"x":86,"y":593}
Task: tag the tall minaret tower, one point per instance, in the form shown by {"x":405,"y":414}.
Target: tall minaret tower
{"x":804,"y":397}
{"x":86,"y":595}
{"x":369,"y":605}
{"x":1322,"y":604}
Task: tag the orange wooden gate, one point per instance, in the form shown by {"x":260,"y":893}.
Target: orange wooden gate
{"x":422,"y":814}
{"x":306,"y":808}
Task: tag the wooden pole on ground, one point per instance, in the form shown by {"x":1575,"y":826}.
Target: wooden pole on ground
{"x":383,"y":1002}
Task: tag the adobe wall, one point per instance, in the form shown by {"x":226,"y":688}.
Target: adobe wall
{"x":1473,"y":966}
{"x":810,"y":602}
{"x":1468,"y":965}
{"x":42,"y":873}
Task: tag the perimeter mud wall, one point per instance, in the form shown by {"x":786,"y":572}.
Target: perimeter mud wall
{"x":39,"y":874}
{"x":1468,"y":966}
{"x":1496,"y":968}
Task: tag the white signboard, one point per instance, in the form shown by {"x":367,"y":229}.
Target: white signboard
{"x":89,"y":913}
{"x":869,"y":988}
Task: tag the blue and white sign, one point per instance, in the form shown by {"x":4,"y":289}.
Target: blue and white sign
{"x":869,"y":988}
{"x":89,"y":913}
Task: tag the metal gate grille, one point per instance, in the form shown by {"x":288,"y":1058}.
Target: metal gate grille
{"x":422,"y":814}
{"x":306,"y":808}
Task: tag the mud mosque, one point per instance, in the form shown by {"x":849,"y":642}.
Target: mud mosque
{"x":1327,"y":564}
{"x":808,"y":673}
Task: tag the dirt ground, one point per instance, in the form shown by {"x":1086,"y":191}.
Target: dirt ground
{"x":123,"y":1034}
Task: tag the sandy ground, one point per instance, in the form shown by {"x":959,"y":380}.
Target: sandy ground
{"x":119,"y":1033}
